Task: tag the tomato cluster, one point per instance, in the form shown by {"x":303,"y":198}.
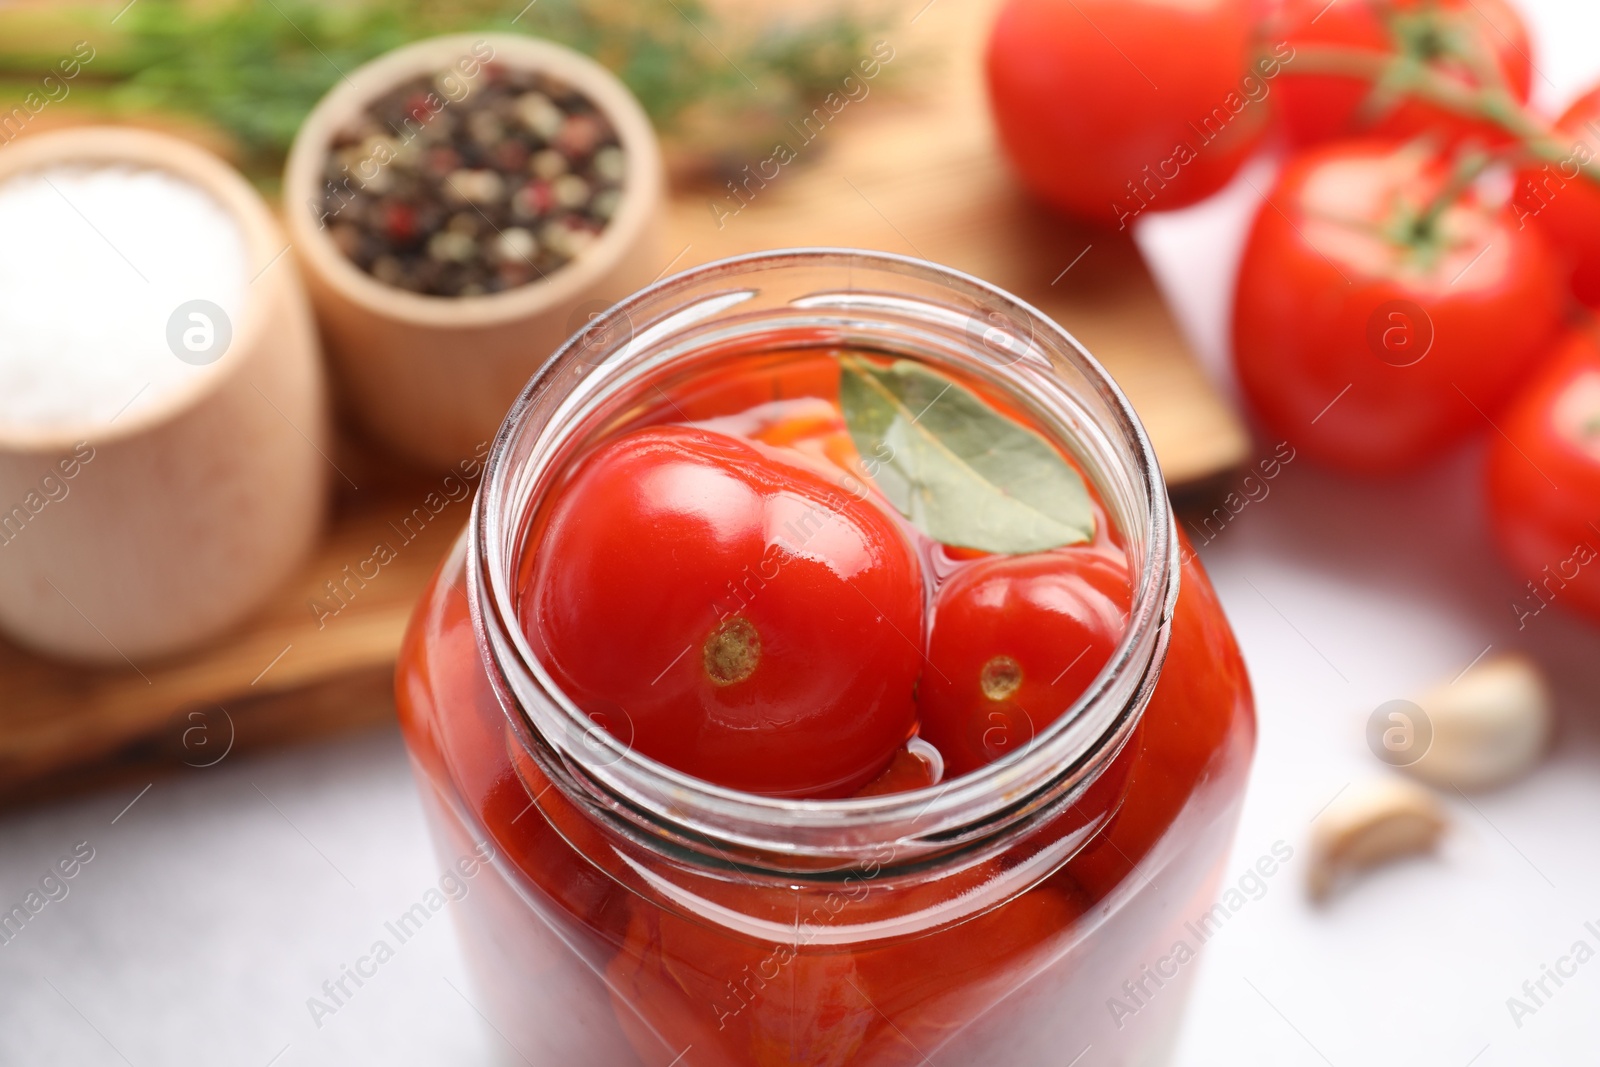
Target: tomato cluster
{"x":1371,"y":337}
{"x":731,"y":597}
{"x":1415,"y":274}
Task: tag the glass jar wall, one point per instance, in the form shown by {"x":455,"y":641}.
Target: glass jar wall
{"x":632,"y":915}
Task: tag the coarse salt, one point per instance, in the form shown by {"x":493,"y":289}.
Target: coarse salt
{"x":95,"y":261}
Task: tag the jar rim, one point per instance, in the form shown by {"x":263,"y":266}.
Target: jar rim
{"x":1059,"y":762}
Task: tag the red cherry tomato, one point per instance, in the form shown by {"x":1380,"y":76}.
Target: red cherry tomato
{"x":1371,"y":342}
{"x":1563,"y":202}
{"x":1016,"y":639}
{"x":1544,"y":482}
{"x":1108,"y":108}
{"x":1442,"y":34}
{"x":729,"y":614}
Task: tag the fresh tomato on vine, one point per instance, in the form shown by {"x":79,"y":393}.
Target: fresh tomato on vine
{"x":1386,"y":306}
{"x":1109,"y":108}
{"x":1544,"y":482}
{"x":729,"y":613}
{"x":1561,"y":195}
{"x":1357,"y":64}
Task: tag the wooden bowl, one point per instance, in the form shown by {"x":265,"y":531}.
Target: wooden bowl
{"x":160,"y":529}
{"x":431,"y":377}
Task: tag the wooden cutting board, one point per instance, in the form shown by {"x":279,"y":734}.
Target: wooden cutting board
{"x":914,"y":172}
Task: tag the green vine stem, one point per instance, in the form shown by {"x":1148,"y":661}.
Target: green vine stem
{"x":1465,"y":172}
{"x":1492,"y":104}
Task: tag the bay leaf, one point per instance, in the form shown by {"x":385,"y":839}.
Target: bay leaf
{"x":956,"y":468}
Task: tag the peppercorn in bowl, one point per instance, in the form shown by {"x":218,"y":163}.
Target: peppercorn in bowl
{"x":461,"y":206}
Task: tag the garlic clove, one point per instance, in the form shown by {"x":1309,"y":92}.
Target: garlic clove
{"x":1369,"y":824}
{"x":1489,"y":726}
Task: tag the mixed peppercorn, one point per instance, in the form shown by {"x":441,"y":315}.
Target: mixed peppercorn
{"x":449,"y":190}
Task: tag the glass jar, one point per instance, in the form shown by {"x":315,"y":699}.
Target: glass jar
{"x":628,"y":914}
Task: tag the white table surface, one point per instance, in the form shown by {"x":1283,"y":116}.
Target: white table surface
{"x":224,"y":897}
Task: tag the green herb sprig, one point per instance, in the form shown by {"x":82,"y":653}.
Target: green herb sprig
{"x":255,"y":68}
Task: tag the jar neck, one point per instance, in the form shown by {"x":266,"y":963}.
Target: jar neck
{"x":807,"y":299}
